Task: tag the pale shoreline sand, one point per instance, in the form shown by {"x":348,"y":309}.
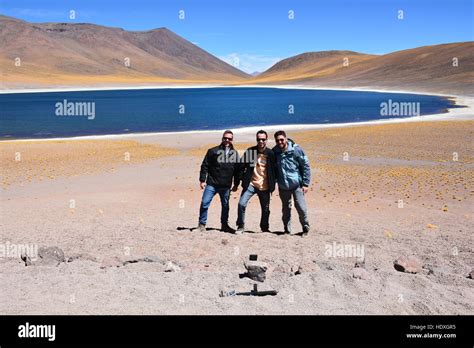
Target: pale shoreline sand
{"x":466,"y":112}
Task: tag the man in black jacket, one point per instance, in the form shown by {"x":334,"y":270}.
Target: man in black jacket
{"x":258,"y":177}
{"x":220,"y":165}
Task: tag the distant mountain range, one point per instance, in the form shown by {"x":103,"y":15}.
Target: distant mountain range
{"x":447,"y":68}
{"x":77,"y":54}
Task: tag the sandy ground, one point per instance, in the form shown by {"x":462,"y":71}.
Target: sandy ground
{"x":145,"y":205}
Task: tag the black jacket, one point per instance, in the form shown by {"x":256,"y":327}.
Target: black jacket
{"x":218,"y":169}
{"x":248,"y":165}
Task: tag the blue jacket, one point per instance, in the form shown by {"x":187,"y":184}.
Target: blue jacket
{"x":293,"y":168}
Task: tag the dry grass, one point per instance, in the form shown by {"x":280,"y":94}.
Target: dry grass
{"x":43,"y":160}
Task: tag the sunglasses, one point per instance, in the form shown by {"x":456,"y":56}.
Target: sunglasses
{"x":261,"y":140}
{"x":280,"y":140}
{"x":227,"y":139}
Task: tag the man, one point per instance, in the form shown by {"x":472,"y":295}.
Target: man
{"x":294,"y":176}
{"x":258,"y":177}
{"x":219,"y":167}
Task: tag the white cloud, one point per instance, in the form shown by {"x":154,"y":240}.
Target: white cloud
{"x":249,"y":62}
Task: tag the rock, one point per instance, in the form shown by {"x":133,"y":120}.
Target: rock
{"x":471,"y":274}
{"x":360,"y":263}
{"x":360,"y":273}
{"x":256,"y":270}
{"x":143,"y":259}
{"x":82,"y":257}
{"x":296,"y":270}
{"x":151,"y":259}
{"x":112,"y":261}
{"x":429,"y":269}
{"x":410,"y":264}
{"x":51,"y":256}
{"x":172,"y":267}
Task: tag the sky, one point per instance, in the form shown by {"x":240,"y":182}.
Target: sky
{"x":255,"y":34}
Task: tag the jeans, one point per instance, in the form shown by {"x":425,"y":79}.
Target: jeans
{"x":264,"y":198}
{"x":207,"y":196}
{"x":300,"y":204}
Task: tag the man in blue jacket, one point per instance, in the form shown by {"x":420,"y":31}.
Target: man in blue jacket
{"x":294,"y":177}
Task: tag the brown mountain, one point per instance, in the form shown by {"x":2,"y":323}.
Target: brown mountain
{"x":428,"y":68}
{"x":311,"y":65}
{"x":69,"y":53}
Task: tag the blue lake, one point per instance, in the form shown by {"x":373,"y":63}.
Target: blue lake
{"x":35,"y":115}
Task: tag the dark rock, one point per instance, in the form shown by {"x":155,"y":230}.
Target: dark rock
{"x":296,"y":270}
{"x":410,"y":264}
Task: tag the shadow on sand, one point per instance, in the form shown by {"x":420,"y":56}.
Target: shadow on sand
{"x":278,"y":233}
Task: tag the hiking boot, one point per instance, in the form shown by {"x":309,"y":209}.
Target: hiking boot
{"x":202,"y":228}
{"x":240,"y":229}
{"x":227,"y":228}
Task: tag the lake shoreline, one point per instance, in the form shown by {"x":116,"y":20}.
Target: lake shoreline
{"x":463,"y":111}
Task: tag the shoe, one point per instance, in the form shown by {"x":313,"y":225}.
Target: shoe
{"x":265,"y":230}
{"x":240,"y":229}
{"x":202,"y":228}
{"x":227,"y":228}
{"x":287,"y":230}
{"x":306,"y":229}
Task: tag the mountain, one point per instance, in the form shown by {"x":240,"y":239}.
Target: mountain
{"x":312,"y":65}
{"x":77,"y":53}
{"x":424,"y":69}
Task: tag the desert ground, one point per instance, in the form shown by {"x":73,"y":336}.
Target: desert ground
{"x":124,"y":212}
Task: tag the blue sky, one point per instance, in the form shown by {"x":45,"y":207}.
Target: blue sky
{"x":260,"y":32}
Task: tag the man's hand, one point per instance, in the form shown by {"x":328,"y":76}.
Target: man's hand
{"x":203,"y":185}
{"x":235,"y":188}
{"x":305,"y":189}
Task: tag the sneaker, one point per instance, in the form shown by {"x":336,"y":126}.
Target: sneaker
{"x":240,"y":229}
{"x":202,"y":228}
{"x":227,"y":228}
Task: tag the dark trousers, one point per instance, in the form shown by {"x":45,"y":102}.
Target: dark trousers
{"x":264,"y":198}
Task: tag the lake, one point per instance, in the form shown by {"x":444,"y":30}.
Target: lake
{"x":80,"y":113}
